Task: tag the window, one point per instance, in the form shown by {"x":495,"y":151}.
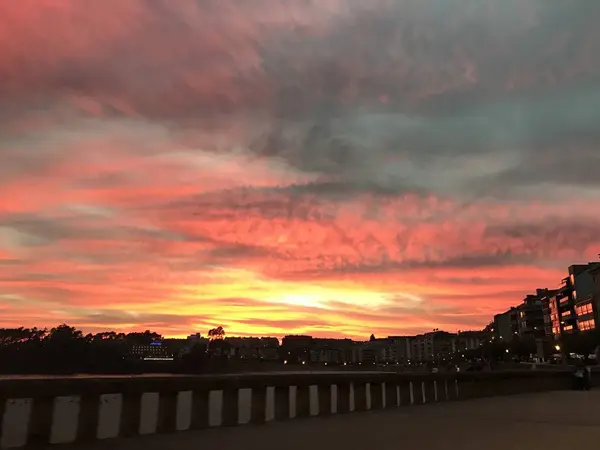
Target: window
{"x":582,"y":310}
{"x":574,"y":294}
{"x":587,"y":325}
{"x":567,"y":328}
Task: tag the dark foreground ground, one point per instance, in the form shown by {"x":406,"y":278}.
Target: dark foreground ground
{"x":564,"y":419}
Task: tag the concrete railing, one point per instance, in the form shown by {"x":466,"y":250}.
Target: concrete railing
{"x":38,"y":412}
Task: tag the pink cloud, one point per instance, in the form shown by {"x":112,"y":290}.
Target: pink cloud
{"x":302,"y":167}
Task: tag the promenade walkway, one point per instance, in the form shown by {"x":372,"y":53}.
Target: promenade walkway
{"x":558,"y":419}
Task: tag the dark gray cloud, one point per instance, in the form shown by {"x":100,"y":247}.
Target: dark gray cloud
{"x":325,"y":266}
{"x":551,"y":235}
{"x":149,"y":147}
{"x":38,"y":229}
{"x":387,"y":96}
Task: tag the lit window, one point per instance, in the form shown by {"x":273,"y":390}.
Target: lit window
{"x":574,"y":294}
{"x":582,"y":310}
{"x":587,"y":325}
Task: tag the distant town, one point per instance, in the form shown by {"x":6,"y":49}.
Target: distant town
{"x":547,"y":326}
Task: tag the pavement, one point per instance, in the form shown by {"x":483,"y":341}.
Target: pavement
{"x":561,"y":419}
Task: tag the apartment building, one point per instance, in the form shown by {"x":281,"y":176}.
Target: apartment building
{"x":507,"y":325}
{"x":573,"y":306}
{"x":470,"y":340}
{"x":532,"y":324}
{"x":400,"y":348}
{"x":433,"y":346}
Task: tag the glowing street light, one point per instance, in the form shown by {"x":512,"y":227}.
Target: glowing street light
{"x":557,"y":347}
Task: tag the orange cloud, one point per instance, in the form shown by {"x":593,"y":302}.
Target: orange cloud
{"x":331,"y":167}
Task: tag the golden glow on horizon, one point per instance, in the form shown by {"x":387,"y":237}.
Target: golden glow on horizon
{"x":232,"y":186}
{"x":228,"y":283}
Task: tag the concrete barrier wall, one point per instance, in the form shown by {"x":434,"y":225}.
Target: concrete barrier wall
{"x":38,"y":412}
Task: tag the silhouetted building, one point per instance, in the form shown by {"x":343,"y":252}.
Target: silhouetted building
{"x":155,"y":351}
{"x":433,"y":346}
{"x":507,"y":325}
{"x":296,"y":348}
{"x":470,"y":340}
{"x":331,"y":351}
{"x":531,"y":315}
{"x":546,"y":310}
{"x":595,"y":273}
{"x":400,"y":348}
{"x":252,"y":348}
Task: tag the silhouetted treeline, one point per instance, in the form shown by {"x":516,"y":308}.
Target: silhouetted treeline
{"x":66,"y":350}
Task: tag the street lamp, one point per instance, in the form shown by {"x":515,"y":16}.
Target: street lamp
{"x":557,"y":347}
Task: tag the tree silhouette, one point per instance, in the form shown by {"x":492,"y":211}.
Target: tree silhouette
{"x":215,"y":334}
{"x":65,"y":350}
{"x":144,"y":338}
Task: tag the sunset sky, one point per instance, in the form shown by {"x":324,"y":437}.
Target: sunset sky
{"x":329,"y":167}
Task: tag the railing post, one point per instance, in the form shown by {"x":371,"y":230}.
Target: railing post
{"x":428,"y":391}
{"x":454,"y":390}
{"x":343,"y":398}
{"x":40,"y":422}
{"x":3,"y":402}
{"x":360,"y":396}
{"x":324,"y":393}
{"x":88,"y":418}
{"x":131,"y":410}
{"x":230,"y":409}
{"x":376,"y":395}
{"x":167,"y":412}
{"x":258,"y":406}
{"x":200,"y":411}
{"x":405,"y":394}
{"x":282,"y":402}
{"x":391,"y":395}
{"x":303,"y":401}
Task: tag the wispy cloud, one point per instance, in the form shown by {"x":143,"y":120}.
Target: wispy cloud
{"x":335,"y":167}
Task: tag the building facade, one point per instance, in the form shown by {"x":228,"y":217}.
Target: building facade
{"x":532,"y":322}
{"x":574,"y":305}
{"x":433,"y":346}
{"x":470,"y":340}
{"x":507,"y":325}
{"x":400,"y":348}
